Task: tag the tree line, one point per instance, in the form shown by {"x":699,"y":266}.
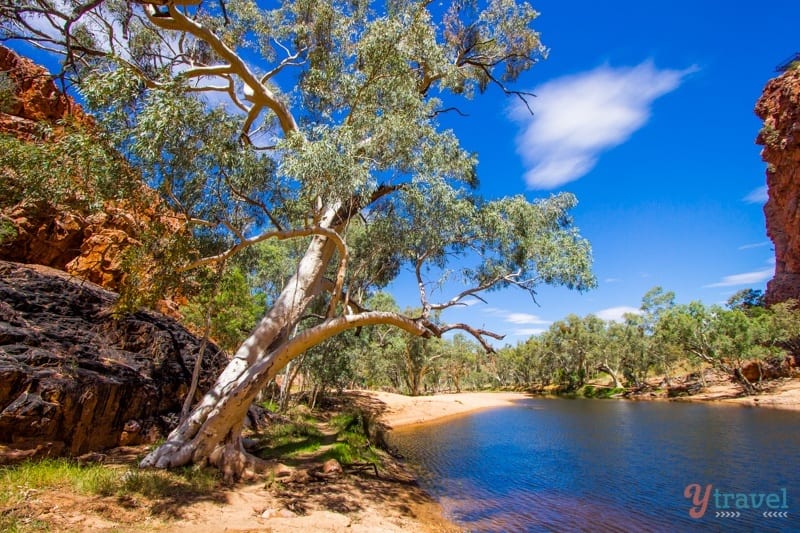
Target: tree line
{"x":652,"y":347}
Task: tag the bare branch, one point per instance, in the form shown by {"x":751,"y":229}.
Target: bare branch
{"x":447,"y":110}
{"x":215,"y":70}
{"x":177,"y":21}
{"x":423,"y":297}
{"x":478,"y":333}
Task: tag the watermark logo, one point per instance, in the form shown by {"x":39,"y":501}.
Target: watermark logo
{"x":733,"y":504}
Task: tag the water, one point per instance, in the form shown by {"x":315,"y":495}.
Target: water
{"x":594,"y":465}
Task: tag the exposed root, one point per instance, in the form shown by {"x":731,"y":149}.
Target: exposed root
{"x":235,"y":463}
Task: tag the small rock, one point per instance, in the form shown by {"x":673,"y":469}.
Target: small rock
{"x":281,"y":471}
{"x":331,"y":466}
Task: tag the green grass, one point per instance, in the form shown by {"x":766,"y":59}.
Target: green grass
{"x":290,"y":447}
{"x":290,"y":439}
{"x":589,"y":391}
{"x":346,"y":421}
{"x":20,"y":483}
{"x":301,"y":436}
{"x":270,"y":406}
{"x":156,"y":484}
{"x":55,"y":473}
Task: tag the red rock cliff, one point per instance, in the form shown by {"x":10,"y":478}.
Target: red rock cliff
{"x":37,"y":97}
{"x":779,"y":108}
{"x":87,"y":245}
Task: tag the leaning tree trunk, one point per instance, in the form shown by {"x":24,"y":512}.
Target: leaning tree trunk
{"x":212,"y":432}
{"x":608,"y":370}
{"x":216,"y":421}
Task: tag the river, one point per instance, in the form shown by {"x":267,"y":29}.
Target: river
{"x":606,"y":465}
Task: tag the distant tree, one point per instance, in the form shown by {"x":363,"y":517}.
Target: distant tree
{"x":725,"y":339}
{"x":232,"y":307}
{"x":746,"y":299}
{"x":460,"y":359}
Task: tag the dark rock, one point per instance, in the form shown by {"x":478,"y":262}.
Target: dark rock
{"x":75,"y":379}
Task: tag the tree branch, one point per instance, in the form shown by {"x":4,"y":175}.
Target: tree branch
{"x":177,"y":21}
{"x":279,"y":235}
{"x":478,"y":333}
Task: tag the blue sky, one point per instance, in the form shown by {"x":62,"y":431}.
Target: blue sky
{"x":645,"y":113}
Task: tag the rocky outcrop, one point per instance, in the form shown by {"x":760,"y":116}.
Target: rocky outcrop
{"x":74,"y":379}
{"x":779,"y":108}
{"x":37,"y":99}
{"x":86,"y":244}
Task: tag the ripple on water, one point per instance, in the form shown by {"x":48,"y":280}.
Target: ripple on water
{"x":572,"y":465}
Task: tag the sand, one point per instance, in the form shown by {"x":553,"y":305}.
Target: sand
{"x":783,"y":394}
{"x":402,"y":410}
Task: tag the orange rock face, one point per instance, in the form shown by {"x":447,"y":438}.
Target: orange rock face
{"x":37,"y":97}
{"x":779,"y":108}
{"x":88,"y":245}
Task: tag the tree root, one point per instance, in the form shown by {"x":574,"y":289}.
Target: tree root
{"x":235,"y":463}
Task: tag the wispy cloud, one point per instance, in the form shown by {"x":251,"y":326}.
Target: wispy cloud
{"x":518,"y":319}
{"x":524,"y":318}
{"x":578,"y":117}
{"x":617,"y":313}
{"x":527,"y":332}
{"x":755,"y":245}
{"x":746,"y":278}
{"x":611,"y":280}
{"x":757,"y":196}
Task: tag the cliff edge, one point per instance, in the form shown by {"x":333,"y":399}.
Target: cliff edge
{"x":779,"y":108}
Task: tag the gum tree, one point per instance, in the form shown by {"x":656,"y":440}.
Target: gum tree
{"x":328,"y":134}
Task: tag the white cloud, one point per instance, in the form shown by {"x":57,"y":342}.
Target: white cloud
{"x":746,"y":278}
{"x":527,"y":332}
{"x":755,"y":245}
{"x":578,"y":117}
{"x":519,"y":319}
{"x":524,"y":318}
{"x":757,"y":196}
{"x":617,"y":313}
{"x":612,"y":280}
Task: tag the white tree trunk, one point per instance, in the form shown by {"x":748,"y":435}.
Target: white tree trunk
{"x":608,"y":370}
{"x":217,"y":419}
{"x":213,"y":430}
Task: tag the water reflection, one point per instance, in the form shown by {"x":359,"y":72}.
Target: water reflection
{"x":589,"y":465}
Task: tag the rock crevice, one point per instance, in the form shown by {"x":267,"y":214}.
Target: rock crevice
{"x":74,"y":378}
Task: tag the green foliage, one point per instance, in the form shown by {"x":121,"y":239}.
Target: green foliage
{"x":355,"y":145}
{"x":7,"y":93}
{"x":663,"y":337}
{"x":590,"y":391}
{"x":7,"y":231}
{"x":74,"y":169}
{"x":232,"y":307}
{"x":769,"y":136}
{"x":746,"y":300}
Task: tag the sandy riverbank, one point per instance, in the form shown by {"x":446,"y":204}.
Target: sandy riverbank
{"x":783,"y":394}
{"x":399,"y":410}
